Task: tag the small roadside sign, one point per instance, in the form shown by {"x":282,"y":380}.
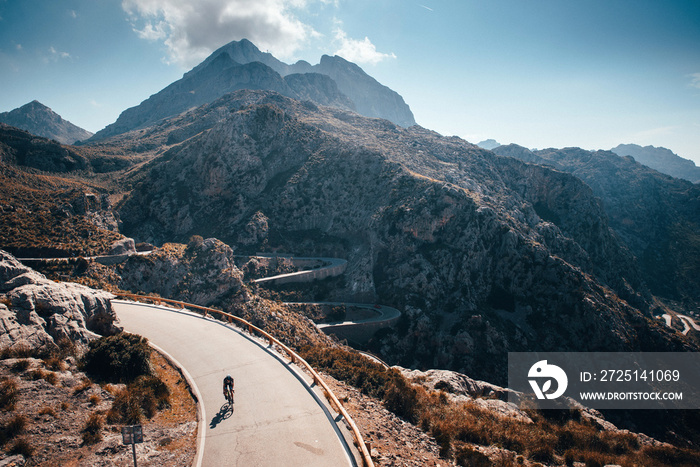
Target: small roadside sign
{"x":132,"y":434}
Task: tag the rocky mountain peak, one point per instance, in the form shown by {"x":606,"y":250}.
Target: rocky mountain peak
{"x":40,"y":120}
{"x":243,"y":52}
{"x":239,"y":65}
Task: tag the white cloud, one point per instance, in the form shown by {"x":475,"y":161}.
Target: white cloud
{"x":359,"y":51}
{"x":55,"y":55}
{"x":695,"y":80}
{"x":192,"y":30}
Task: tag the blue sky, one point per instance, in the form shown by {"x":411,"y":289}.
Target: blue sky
{"x":540,"y":73}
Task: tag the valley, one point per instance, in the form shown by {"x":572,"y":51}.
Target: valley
{"x":427,"y":251}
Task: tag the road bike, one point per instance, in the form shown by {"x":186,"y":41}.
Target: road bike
{"x":229,"y":396}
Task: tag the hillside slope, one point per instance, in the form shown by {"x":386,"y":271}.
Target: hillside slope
{"x":485,"y":254}
{"x":656,"y":215}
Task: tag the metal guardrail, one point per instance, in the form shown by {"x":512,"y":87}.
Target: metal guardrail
{"x":294,"y":357}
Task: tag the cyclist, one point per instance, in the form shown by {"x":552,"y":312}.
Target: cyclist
{"x":228,"y":388}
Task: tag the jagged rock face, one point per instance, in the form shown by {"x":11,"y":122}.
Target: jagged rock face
{"x":461,"y":387}
{"x":661,"y":159}
{"x":240,"y":65}
{"x":657,"y":216}
{"x":39,"y":313}
{"x":484,"y":254}
{"x":371,"y":98}
{"x":203,"y":272}
{"x":318,"y":88}
{"x":40,"y":120}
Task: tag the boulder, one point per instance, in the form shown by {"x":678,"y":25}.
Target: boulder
{"x":125,"y":246}
{"x":38,"y":313}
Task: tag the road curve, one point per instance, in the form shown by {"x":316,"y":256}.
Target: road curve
{"x":277,"y":420}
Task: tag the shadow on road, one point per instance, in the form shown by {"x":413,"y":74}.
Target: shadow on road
{"x":225,"y":412}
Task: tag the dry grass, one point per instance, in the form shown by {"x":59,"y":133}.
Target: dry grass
{"x":554,"y":438}
{"x":182,"y":406}
{"x":8,"y":394}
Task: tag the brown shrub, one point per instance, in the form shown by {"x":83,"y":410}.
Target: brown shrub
{"x":94,"y":399}
{"x":22,"y":447}
{"x":13,"y":428}
{"x":20,"y":366}
{"x":8,"y":394}
{"x":92,"y":431}
{"x":47,"y":410}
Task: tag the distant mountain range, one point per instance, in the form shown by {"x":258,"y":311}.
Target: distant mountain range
{"x":661,"y":159}
{"x":40,"y":120}
{"x":239,"y":65}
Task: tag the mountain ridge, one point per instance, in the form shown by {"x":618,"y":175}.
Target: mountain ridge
{"x":661,"y":159}
{"x":240,"y":65}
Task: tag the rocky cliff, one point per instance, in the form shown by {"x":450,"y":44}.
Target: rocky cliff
{"x":40,"y":120}
{"x":38,"y":313}
{"x":656,"y":216}
{"x":484,"y":254}
{"x":240,"y":65}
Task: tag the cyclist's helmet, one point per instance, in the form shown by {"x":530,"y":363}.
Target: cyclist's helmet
{"x":228,"y":377}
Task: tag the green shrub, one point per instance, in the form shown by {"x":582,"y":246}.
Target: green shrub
{"x":119,"y":359}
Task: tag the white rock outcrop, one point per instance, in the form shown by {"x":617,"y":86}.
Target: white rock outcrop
{"x":37,"y":312}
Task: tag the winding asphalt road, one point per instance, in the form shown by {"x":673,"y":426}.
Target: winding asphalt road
{"x":277,"y":419}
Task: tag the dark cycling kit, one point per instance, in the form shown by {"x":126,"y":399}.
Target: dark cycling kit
{"x":228,"y":388}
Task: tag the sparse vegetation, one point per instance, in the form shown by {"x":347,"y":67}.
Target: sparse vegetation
{"x":555,"y":436}
{"x":141,"y":398}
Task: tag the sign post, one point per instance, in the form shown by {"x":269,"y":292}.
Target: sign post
{"x":132,"y":434}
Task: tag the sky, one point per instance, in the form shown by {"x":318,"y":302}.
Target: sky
{"x":539,"y":73}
